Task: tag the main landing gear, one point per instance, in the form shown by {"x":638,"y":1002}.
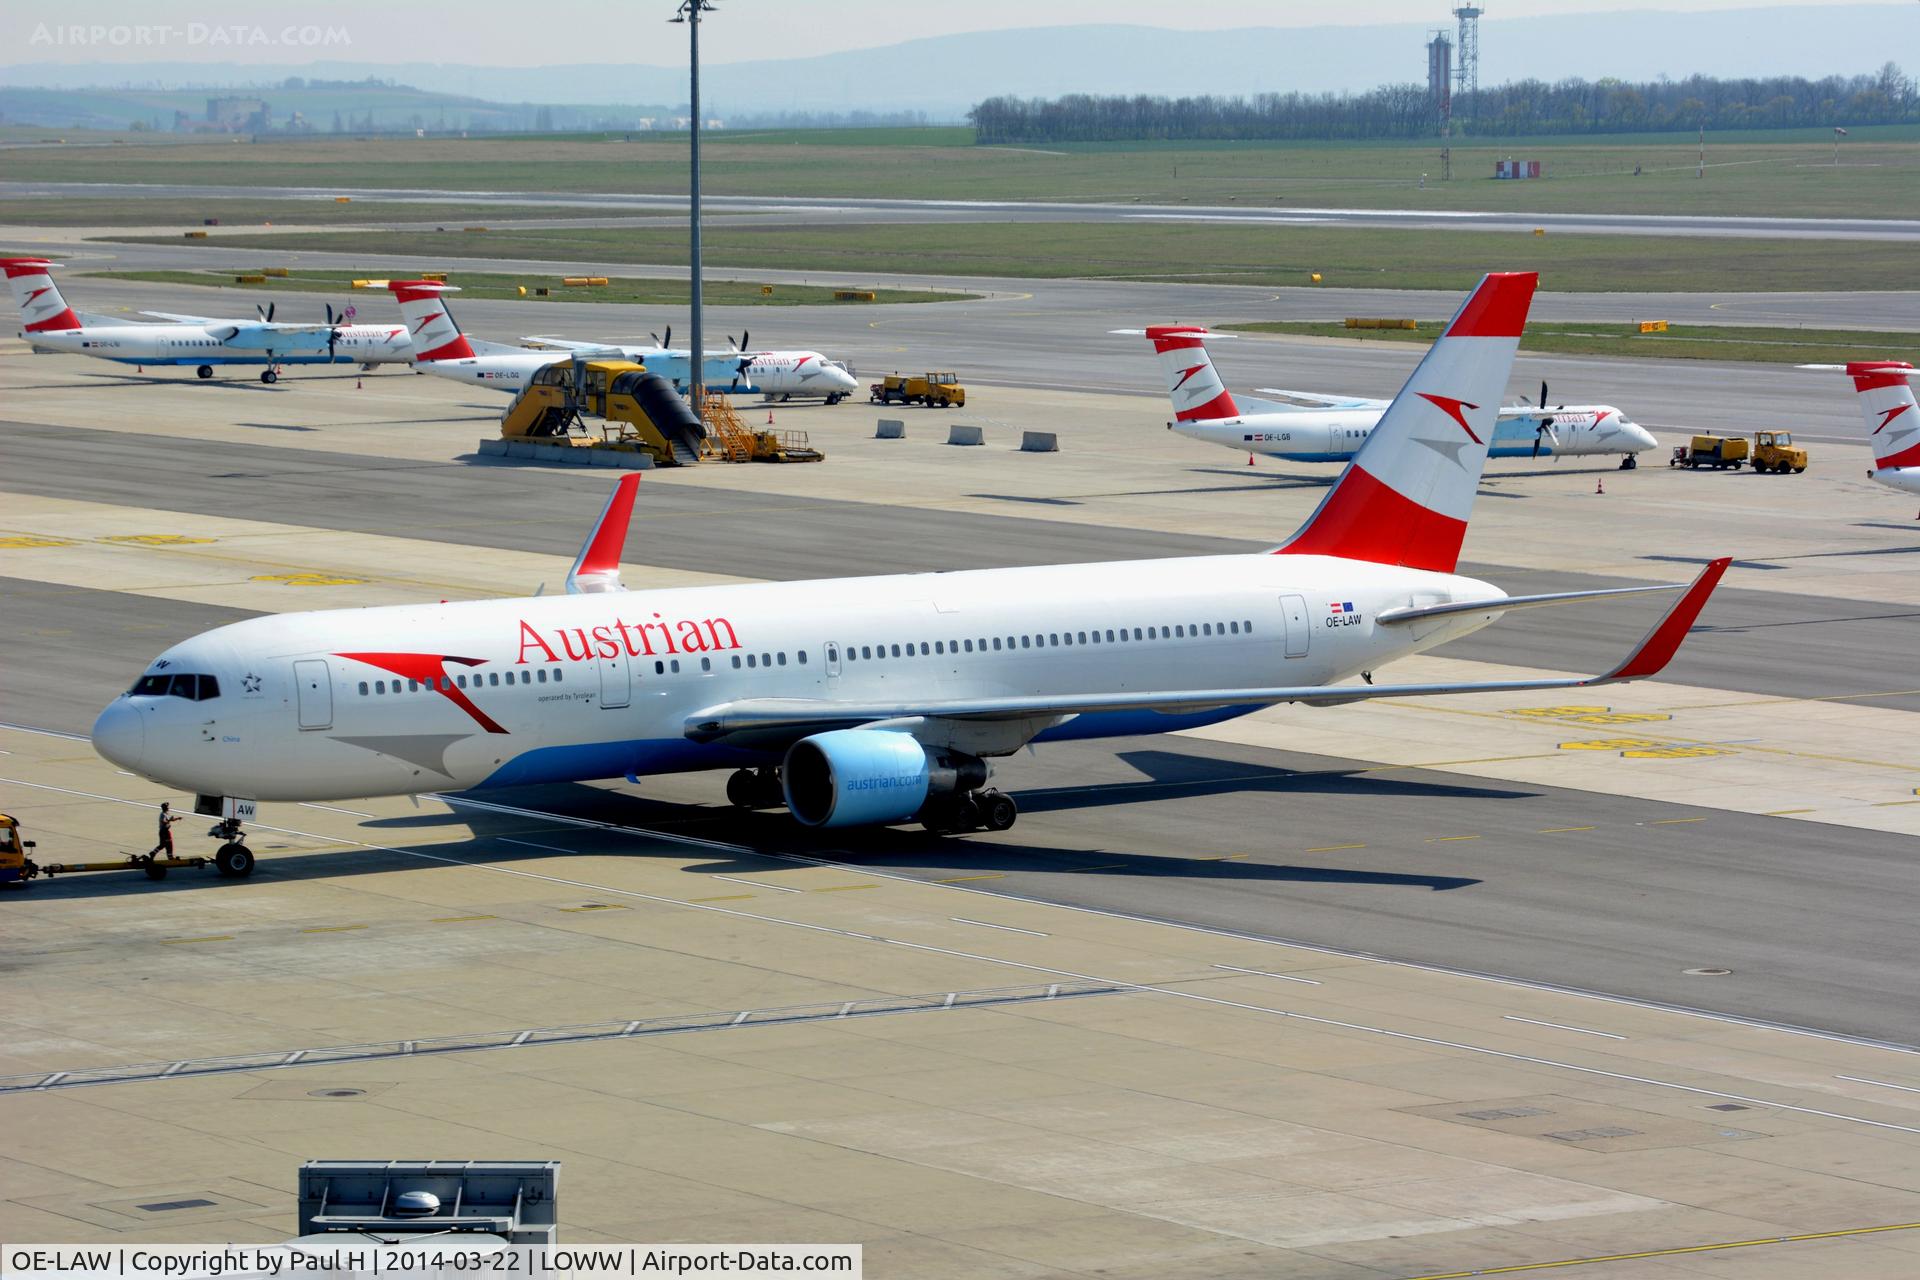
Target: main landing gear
{"x":233,"y":859}
{"x":204,"y":372}
{"x":1630,"y":463}
{"x":755,"y":789}
{"x":269,"y":376}
{"x":985,"y":810}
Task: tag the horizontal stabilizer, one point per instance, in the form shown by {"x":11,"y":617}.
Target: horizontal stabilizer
{"x":1315,"y":400}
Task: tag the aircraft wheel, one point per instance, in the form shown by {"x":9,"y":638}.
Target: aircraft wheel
{"x":234,"y":860}
{"x":205,"y":371}
{"x":269,"y":377}
{"x":998,"y":809}
{"x":1629,"y":463}
{"x":835,"y":398}
{"x":743,"y":789}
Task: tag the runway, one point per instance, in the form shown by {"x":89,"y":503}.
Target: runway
{"x":856,"y":209}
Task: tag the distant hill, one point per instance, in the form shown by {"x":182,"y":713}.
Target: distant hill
{"x":945,"y":75}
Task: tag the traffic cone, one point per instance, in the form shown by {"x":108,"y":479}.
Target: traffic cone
{"x":769,"y":417}
{"x":1600,"y":485}
{"x":1249,"y":459}
{"x":356,"y":383}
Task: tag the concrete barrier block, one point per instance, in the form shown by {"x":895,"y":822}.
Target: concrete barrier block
{"x":519,"y":448}
{"x":958,"y":434}
{"x":636,"y":461}
{"x":890,"y":429}
{"x":604,"y":457}
{"x":494,"y":448}
{"x":1039,"y":442}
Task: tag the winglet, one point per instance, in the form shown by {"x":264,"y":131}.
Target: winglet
{"x":597,"y":568}
{"x":1660,"y":644}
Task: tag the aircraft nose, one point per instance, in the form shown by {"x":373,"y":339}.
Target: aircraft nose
{"x":1639,"y":437}
{"x":120,"y":734}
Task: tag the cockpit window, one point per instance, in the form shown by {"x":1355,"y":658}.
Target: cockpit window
{"x":194,"y":688}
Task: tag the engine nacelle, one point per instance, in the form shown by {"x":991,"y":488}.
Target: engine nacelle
{"x":870,"y":777}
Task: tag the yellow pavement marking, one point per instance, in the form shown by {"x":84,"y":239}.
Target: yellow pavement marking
{"x":308,"y":580}
{"x":1548,"y":831}
{"x":1669,"y":822}
{"x":1223,"y":857}
{"x":460,"y":919}
{"x":1667,"y":1253}
{"x":31,"y":540}
{"x":333,"y":928}
{"x":990,"y":875}
{"x":216,"y":937}
{"x":724,"y":897}
{"x":1447,"y":839}
{"x":1776,"y":813}
{"x":1887,"y":804}
{"x":1105,"y":866}
{"x":842,"y":888}
{"x":1333,"y":848}
{"x":599,"y":906}
{"x":155,"y":539}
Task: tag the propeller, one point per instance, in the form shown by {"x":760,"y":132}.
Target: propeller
{"x":656,"y":338}
{"x":741,"y":345}
{"x":266,"y":312}
{"x":1544,"y":430}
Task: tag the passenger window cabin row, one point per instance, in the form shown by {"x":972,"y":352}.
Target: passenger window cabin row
{"x":1049,"y":640}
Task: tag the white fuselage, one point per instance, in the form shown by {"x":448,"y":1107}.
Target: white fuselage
{"x":338,"y":704}
{"x":1904,"y":478}
{"x":194,"y":344}
{"x":803,"y":373}
{"x":1333,"y":435}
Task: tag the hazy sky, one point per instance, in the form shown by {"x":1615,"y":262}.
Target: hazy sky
{"x":130,"y":32}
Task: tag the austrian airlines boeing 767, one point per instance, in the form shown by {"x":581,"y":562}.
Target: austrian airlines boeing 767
{"x":863,"y":700}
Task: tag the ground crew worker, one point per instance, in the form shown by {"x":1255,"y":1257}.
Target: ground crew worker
{"x":167,"y":818}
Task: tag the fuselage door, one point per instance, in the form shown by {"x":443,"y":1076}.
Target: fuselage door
{"x":833,"y":659}
{"x":314,"y":686}
{"x":1299,"y":634}
{"x":616,"y":681}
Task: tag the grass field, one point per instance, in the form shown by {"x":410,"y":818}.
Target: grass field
{"x":188,"y":211}
{"x":1357,"y":257}
{"x":1755,"y":174}
{"x":1680,"y":342}
{"x":665,"y":293}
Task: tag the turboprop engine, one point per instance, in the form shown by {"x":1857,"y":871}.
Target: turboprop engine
{"x":871,"y":777}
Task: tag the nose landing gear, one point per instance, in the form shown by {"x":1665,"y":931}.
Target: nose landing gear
{"x":1630,"y":463}
{"x":233,"y":859}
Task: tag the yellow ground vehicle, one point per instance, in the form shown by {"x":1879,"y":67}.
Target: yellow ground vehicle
{"x":1775,"y":451}
{"x":933,"y":390}
{"x":13,"y":852}
{"x":1770,"y":451}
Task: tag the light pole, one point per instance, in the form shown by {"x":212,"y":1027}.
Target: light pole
{"x":689,"y":12}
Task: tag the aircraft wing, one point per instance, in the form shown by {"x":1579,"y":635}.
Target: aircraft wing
{"x":601,"y":349}
{"x":794,"y":718}
{"x":1317,"y":400}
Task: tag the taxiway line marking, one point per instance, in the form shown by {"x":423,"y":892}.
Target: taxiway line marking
{"x":1884,"y":1084}
{"x":758,"y":884}
{"x":724,"y":897}
{"x":213,"y":937}
{"x":533,"y":844}
{"x":460,"y":919}
{"x":597,"y":906}
{"x":1561,"y":1026}
{"x":1005,"y":928}
{"x":332,"y":928}
{"x":1672,"y":822}
{"x":1335,"y":848}
{"x":1448,"y":839}
{"x":1549,"y":831}
{"x":842,"y":888}
{"x":985,"y":875}
{"x":1781,"y":813}
{"x":1267,"y":973}
{"x":1667,"y":1253}
{"x":333,"y":808}
{"x":1105,"y":866}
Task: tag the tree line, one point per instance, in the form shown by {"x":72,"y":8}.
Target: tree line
{"x":1572,"y":106}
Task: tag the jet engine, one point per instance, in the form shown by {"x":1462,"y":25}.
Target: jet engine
{"x":871,"y":777}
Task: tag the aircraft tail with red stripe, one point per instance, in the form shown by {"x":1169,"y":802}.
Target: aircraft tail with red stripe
{"x":1197,"y":391}
{"x":1885,"y":392}
{"x":41,"y":306}
{"x":434,"y":333}
{"x":1406,"y":497}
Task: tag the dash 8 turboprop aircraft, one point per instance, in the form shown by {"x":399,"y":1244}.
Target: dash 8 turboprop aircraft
{"x":1884,"y":389}
{"x":1335,"y":426}
{"x":199,"y":342}
{"x":862,"y":701}
{"x":446,"y":351}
